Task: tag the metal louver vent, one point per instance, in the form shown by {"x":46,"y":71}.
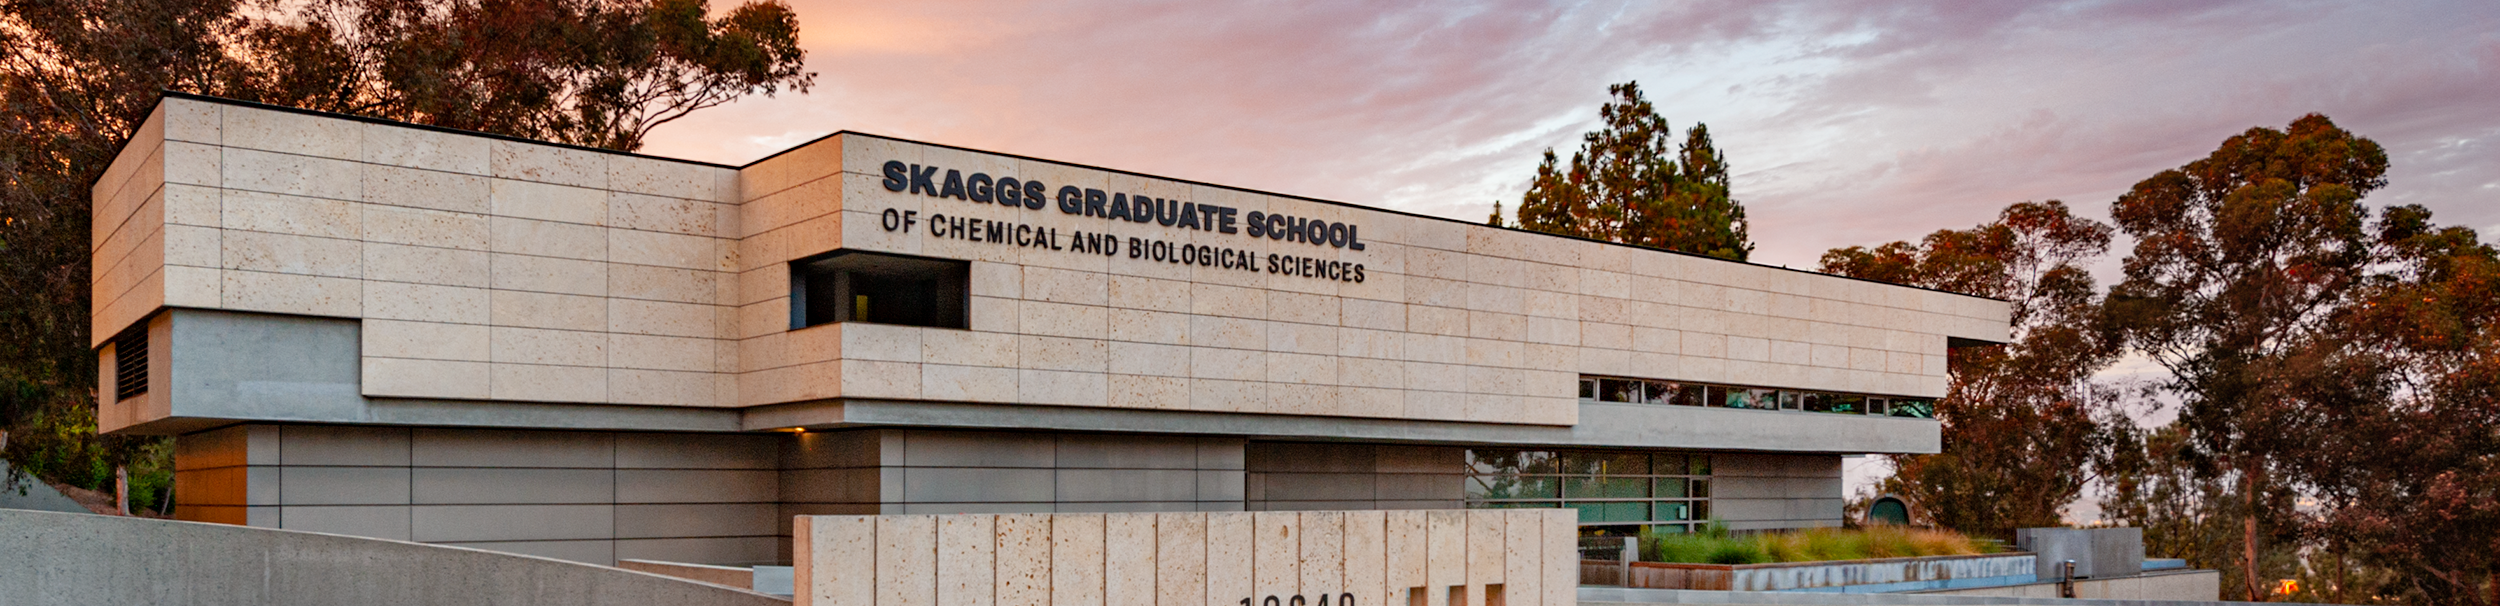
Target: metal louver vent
{"x":130,"y":362}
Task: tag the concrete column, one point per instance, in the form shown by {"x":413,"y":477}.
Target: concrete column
{"x":1523,"y":533}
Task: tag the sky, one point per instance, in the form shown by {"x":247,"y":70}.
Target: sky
{"x":1847,"y":122}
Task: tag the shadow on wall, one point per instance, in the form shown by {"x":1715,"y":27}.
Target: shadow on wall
{"x":64,"y":558}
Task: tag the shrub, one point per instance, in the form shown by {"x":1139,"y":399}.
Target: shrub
{"x":1715,"y":546}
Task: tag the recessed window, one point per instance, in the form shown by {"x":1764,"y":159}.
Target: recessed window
{"x":879,"y":288}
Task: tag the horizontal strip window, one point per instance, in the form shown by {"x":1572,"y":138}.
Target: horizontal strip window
{"x":1613,"y":491}
{"x":1672,"y":393}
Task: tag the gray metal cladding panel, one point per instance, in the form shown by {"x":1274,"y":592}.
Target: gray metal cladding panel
{"x":510,"y":448}
{"x":953,"y":508}
{"x":1113,"y":485}
{"x":1816,"y":509}
{"x":487,"y":486}
{"x":1221,"y":485}
{"x":705,"y":520}
{"x":1412,"y":487}
{"x":1386,"y":504}
{"x":1312,"y":457}
{"x":1081,"y":451}
{"x":455,"y":523}
{"x":857,"y":448}
{"x":1130,"y":507}
{"x":262,"y":366}
{"x":1220,"y":453}
{"x":588,"y":552}
{"x":1312,"y":505}
{"x":342,"y":445}
{"x":1400,"y":458}
{"x":979,"y":449}
{"x":1318,"y":486}
{"x":697,"y":486}
{"x":698,"y":451}
{"x":978,"y":485}
{"x":708,"y":550}
{"x":342,"y":486}
{"x":852,"y":485}
{"x":377,"y":521}
{"x":1734,"y":510}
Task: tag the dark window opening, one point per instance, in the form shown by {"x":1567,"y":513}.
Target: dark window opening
{"x":130,"y":362}
{"x":854,"y":286}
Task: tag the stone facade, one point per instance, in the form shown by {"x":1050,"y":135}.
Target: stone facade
{"x":1353,"y":558}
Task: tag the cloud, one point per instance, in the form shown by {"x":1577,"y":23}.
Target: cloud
{"x":1848,"y":122}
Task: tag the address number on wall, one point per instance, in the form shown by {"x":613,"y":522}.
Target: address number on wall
{"x":1343,"y":599}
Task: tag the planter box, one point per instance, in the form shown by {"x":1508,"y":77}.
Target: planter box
{"x":1804,"y":575}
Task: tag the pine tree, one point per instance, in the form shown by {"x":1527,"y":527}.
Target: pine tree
{"x":1631,"y":183}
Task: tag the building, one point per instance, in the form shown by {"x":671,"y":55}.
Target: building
{"x":380,"y":329}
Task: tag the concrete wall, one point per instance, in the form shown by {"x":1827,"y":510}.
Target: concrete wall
{"x":2183,"y":585}
{"x":593,"y":497}
{"x":1291,"y":476}
{"x":55,"y":558}
{"x":1434,"y":558}
{"x":1764,"y":491}
{"x":1455,"y":321}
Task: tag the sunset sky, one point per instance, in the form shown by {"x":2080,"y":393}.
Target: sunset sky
{"x":1847,"y":122}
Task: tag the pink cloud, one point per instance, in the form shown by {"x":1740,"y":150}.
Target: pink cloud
{"x":1849,"y":122}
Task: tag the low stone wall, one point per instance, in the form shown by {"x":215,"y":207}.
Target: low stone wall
{"x":1515,"y":557}
{"x":1804,"y":575}
{"x":65,"y":559}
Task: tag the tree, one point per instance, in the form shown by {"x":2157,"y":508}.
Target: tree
{"x":76,"y":76}
{"x":2023,"y":424}
{"x":2240,"y":257}
{"x":1630,"y":183}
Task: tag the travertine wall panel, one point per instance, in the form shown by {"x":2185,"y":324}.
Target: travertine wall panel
{"x":491,"y":268}
{"x":1188,"y":559}
{"x":1453,"y":322}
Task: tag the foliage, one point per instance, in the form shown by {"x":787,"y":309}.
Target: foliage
{"x":1813,"y":545}
{"x":2024,"y":426}
{"x":1630,"y":183}
{"x":76,"y":76}
{"x":2240,"y":259}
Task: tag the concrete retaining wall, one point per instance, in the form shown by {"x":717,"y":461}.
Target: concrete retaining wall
{"x":59,"y":558}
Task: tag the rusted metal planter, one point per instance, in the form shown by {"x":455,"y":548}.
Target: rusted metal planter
{"x":1804,"y":575}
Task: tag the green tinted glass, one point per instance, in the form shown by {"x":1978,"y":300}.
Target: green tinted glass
{"x":1626,"y":512}
{"x":1700,"y":465}
{"x":1591,"y":513}
{"x":1672,"y":511}
{"x":1495,"y":461}
{"x":1671,"y":488}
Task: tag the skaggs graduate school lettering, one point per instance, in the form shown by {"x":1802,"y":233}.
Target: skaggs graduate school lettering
{"x":981,"y":188}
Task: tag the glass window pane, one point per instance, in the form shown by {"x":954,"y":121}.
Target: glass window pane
{"x":1499,"y":461}
{"x":1671,"y":488}
{"x":1919,"y":409}
{"x":1634,"y":511}
{"x":1847,"y":404}
{"x":1669,"y":529}
{"x":1661,"y":392}
{"x":1668,"y":464}
{"x":1672,"y":511}
{"x":1701,"y":465}
{"x":1512,"y":487}
{"x":1605,"y":463}
{"x":1591,"y":513}
{"x":1619,"y":390}
{"x":1588,"y":389}
{"x":1817,"y":402}
{"x":1513,"y":505}
{"x":1701,"y":489}
{"x":1716,"y":396}
{"x":1877,"y":406}
{"x":1701,"y":510}
{"x":1789,"y":400}
{"x":1689,"y":395}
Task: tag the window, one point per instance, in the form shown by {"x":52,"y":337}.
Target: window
{"x":1665,"y":393}
{"x":855,"y":286}
{"x":1613,"y":490}
{"x":130,"y":362}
